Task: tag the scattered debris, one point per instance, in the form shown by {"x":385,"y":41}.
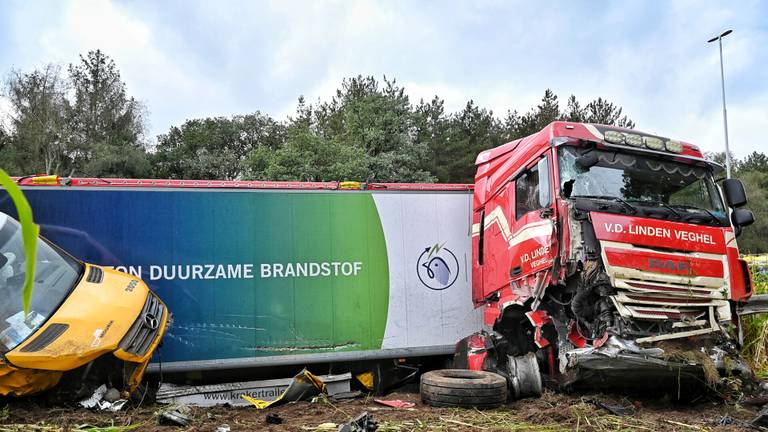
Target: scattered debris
{"x":346,"y":395}
{"x":230,"y":393}
{"x":362,"y":423}
{"x":322,"y":427}
{"x":177,"y":416}
{"x":762,"y":418}
{"x":303,"y":386}
{"x":274,"y":418}
{"x":396,"y":403}
{"x":727,"y":420}
{"x":615,"y":409}
{"x":104,"y":399}
{"x":223,"y":428}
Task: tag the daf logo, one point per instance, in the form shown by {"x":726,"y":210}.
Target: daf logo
{"x":669,"y":265}
{"x":151,"y":322}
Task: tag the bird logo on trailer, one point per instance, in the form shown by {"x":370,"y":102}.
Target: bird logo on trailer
{"x":437,"y":267}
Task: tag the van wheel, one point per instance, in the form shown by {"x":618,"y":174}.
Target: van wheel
{"x":463,"y":388}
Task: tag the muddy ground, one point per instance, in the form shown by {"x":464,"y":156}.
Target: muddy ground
{"x":551,"y":412}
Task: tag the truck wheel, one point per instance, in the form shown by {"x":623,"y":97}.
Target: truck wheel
{"x":463,"y":388}
{"x":524,"y":375}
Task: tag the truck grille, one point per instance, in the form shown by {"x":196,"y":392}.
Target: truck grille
{"x":681,"y":309}
{"x":145,"y":329}
{"x":673,"y":303}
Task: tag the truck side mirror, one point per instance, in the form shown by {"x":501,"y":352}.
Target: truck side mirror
{"x":742,"y":217}
{"x":734,"y":192}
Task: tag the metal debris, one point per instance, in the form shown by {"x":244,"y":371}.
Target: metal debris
{"x":104,"y":399}
{"x":176,"y":417}
{"x":362,"y":423}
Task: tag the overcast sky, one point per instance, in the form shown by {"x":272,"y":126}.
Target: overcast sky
{"x":188,"y":59}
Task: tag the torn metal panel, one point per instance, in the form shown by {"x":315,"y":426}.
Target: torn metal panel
{"x":756,"y":305}
{"x":231,"y":393}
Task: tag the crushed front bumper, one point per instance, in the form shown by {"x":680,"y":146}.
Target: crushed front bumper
{"x":623,"y":364}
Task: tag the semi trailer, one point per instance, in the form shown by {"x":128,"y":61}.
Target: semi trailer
{"x":263,"y":274}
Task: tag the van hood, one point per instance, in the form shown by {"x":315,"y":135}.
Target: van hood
{"x":91,"y":322}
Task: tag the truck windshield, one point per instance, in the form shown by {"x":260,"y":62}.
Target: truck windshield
{"x":55,"y":275}
{"x":637,"y":180}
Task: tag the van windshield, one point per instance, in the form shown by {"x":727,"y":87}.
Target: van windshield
{"x":686,"y":191}
{"x":55,"y":275}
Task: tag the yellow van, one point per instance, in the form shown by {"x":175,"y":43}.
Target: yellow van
{"x":90,"y":321}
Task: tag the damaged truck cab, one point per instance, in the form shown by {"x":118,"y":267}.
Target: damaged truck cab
{"x":597,"y":248}
{"x":83,"y":321}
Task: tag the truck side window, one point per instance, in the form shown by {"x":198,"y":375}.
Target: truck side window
{"x":533,"y":189}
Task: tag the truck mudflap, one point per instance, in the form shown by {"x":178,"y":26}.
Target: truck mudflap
{"x":621,"y":363}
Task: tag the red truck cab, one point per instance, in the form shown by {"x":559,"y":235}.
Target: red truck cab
{"x":592,"y":244}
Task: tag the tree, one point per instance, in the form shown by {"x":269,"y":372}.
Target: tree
{"x":601,"y":111}
{"x":38,"y":120}
{"x":105,"y":122}
{"x":753,"y":237}
{"x":215,"y":148}
{"x":719,"y":158}
{"x":365,"y":132}
{"x":756,"y":161}
{"x":468,"y":133}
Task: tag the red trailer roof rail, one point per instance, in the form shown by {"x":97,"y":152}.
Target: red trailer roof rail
{"x":230,"y":184}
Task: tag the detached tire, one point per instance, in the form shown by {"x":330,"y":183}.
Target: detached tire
{"x":463,"y":388}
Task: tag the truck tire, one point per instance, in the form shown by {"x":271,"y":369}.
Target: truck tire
{"x":524,"y":376}
{"x":463,"y":388}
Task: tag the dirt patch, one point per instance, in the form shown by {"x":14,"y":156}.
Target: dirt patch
{"x":551,"y":412}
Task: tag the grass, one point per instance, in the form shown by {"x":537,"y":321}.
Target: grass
{"x":756,"y":327}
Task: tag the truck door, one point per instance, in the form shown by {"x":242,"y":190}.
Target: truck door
{"x":533,"y":240}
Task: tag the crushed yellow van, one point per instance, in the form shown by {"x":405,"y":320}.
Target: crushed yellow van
{"x":85,"y":322}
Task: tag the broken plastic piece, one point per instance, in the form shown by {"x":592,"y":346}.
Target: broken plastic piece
{"x":366,"y":379}
{"x":395,"y":403}
{"x":304,"y":386}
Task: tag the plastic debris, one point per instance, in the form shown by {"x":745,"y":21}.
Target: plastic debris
{"x":223,"y":428}
{"x":104,"y":399}
{"x":303,"y":386}
{"x":395,"y":403}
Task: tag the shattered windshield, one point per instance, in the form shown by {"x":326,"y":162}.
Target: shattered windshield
{"x":641,"y":181}
{"x":55,"y":275}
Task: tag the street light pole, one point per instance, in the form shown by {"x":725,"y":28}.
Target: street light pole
{"x":719,"y":39}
